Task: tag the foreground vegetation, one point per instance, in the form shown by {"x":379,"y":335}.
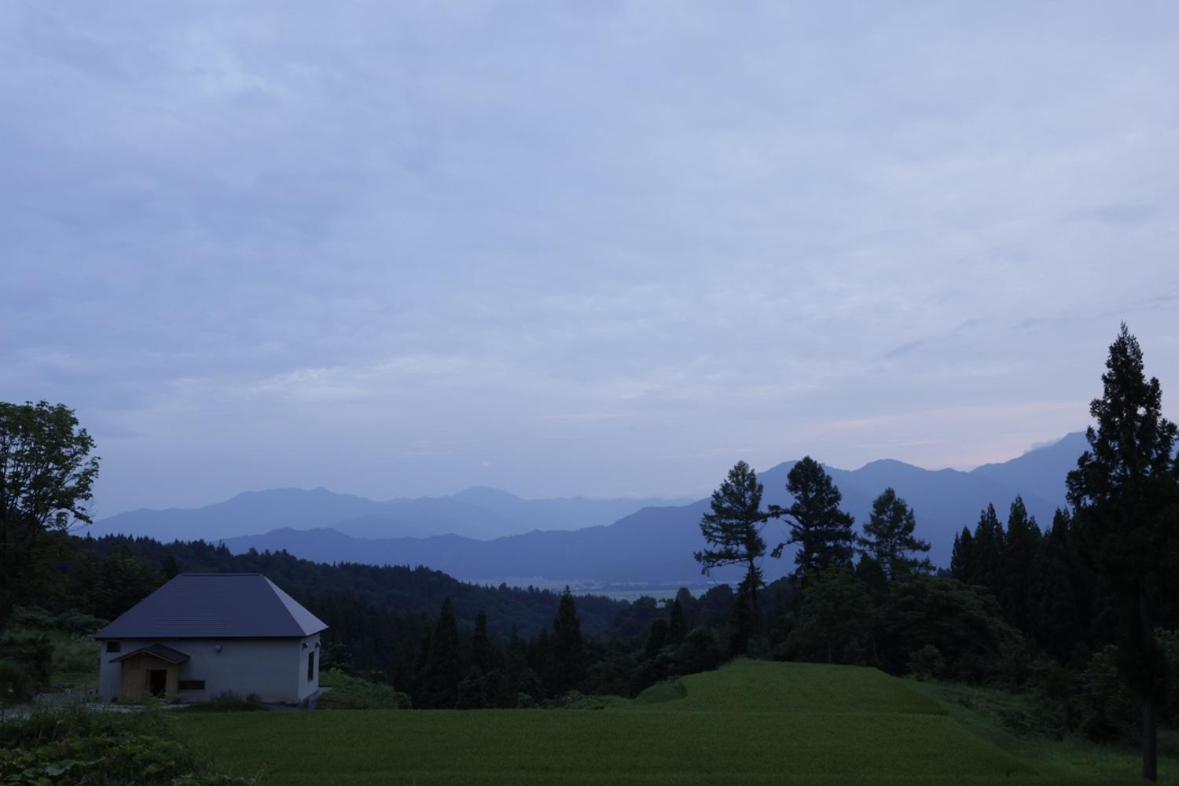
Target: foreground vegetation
{"x":750,"y":722}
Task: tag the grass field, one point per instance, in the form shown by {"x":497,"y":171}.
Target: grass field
{"x":752,"y":722}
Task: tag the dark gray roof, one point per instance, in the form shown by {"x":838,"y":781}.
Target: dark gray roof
{"x":166,"y":654}
{"x":215,"y":605}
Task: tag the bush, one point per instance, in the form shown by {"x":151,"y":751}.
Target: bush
{"x":31,"y":651}
{"x":353,"y":693}
{"x":1105,"y":711}
{"x":99,"y":749}
{"x":72,"y":621}
{"x":16,"y":684}
{"x":229,"y":702}
{"x":927,"y":663}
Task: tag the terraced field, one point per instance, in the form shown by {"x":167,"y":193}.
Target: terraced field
{"x":752,"y":722}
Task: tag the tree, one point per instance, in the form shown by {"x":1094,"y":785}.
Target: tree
{"x":889,"y":538}
{"x":677,"y":624}
{"x":733,"y":530}
{"x":46,"y":472}
{"x":443,"y":661}
{"x":1019,"y":553}
{"x":485,"y":656}
{"x":568,"y":648}
{"x":822,"y":531}
{"x":1125,"y":498}
{"x":835,"y":619}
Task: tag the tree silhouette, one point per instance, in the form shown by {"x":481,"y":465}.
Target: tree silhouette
{"x":1125,"y":497}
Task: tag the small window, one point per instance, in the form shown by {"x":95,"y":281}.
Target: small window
{"x":191,"y":685}
{"x":113,"y":646}
{"x":311,"y":666}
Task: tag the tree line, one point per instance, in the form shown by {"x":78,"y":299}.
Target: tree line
{"x":1082,"y":613}
{"x":1094,"y":594}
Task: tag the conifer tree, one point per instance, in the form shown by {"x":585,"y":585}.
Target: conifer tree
{"x":1052,"y":597}
{"x":484,"y":654}
{"x":444,"y":662}
{"x":1125,"y":497}
{"x":1019,"y":551}
{"x":677,"y":624}
{"x":822,"y":531}
{"x":962,"y":559}
{"x":568,"y":646}
{"x":732,"y":529}
{"x":889,"y":538}
{"x":988,"y":552}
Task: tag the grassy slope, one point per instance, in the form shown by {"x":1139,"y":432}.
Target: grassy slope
{"x":752,"y":722}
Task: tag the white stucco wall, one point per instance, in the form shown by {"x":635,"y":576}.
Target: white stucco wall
{"x":273,"y":669}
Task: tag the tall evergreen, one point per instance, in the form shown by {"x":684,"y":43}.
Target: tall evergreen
{"x":732,"y":529}
{"x":677,"y":623}
{"x":1053,"y":609}
{"x":989,"y":539}
{"x":568,"y":647}
{"x":962,"y":561}
{"x":484,"y":654}
{"x":1125,"y":497}
{"x":889,"y":538}
{"x":1019,"y":552}
{"x":444,"y":663}
{"x":816,"y":524}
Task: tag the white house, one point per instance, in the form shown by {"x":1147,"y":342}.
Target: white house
{"x":202,"y":635}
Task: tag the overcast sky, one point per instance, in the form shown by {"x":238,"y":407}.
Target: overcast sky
{"x":589,"y":248}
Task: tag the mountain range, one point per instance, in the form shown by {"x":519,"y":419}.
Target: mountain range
{"x":478,"y":513}
{"x":651,"y":543}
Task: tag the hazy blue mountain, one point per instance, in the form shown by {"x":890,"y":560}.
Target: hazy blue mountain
{"x":248,"y":512}
{"x":655,"y":544}
{"x":480,"y":513}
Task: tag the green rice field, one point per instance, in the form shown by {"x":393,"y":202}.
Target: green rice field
{"x":751,"y":722}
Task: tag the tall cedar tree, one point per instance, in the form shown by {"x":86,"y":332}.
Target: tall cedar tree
{"x":1124,"y":494}
{"x":733,"y":531}
{"x":1019,"y":546}
{"x":890,"y":540}
{"x":46,"y":472}
{"x":822,"y":531}
{"x":568,"y":648}
{"x":485,"y":655}
{"x":444,"y":666}
{"x":677,"y":624}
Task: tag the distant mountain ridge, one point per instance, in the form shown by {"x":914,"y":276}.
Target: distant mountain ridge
{"x":655,"y":544}
{"x":479,"y":513}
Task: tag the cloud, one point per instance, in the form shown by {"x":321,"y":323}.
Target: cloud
{"x":409,"y":248}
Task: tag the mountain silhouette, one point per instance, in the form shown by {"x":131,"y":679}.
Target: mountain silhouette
{"x":655,"y":544}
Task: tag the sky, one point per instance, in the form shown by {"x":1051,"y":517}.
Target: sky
{"x":594,"y":248}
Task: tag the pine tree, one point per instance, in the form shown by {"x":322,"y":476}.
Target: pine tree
{"x":568,"y":646}
{"x":989,"y":539}
{"x":1125,"y":497}
{"x":732,"y":529}
{"x":444,"y":662}
{"x":822,"y":531}
{"x":1019,"y":551}
{"x":962,"y":559}
{"x":889,"y":538}
{"x":1053,"y":609}
{"x":677,"y":624}
{"x":484,"y":655}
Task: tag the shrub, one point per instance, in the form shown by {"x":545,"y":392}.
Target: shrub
{"x":927,"y":663}
{"x":353,"y":693}
{"x":99,"y":749}
{"x":229,"y":702}
{"x":16,"y":684}
{"x":32,"y":651}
